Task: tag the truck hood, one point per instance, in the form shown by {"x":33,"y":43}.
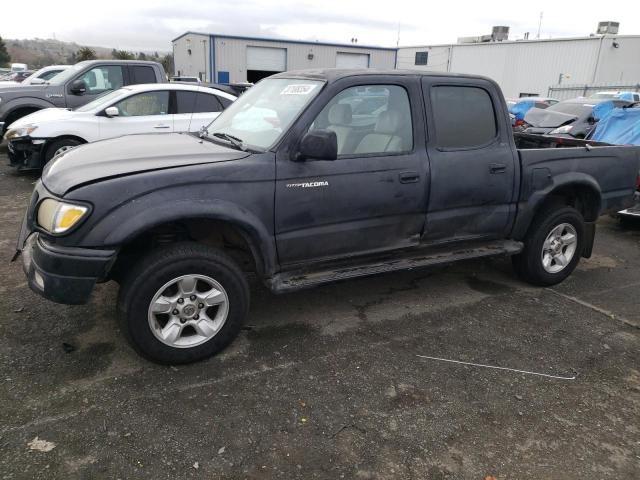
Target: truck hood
{"x":44,"y":115}
{"x":22,"y":90}
{"x":130,"y":155}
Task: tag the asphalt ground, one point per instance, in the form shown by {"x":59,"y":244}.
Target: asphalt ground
{"x":328,"y":383}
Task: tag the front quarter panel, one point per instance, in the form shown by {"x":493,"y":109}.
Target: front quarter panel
{"x":237,"y":191}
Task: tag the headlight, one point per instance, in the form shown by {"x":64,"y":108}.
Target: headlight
{"x":20,"y":132}
{"x":565,"y":129}
{"x":58,"y":217}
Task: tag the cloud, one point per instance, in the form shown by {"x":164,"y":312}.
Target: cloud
{"x":141,"y":25}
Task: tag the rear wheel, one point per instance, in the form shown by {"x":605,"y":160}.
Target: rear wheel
{"x":553,"y":246}
{"x":183,"y":303}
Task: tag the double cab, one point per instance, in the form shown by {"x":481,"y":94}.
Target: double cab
{"x":312,"y":177}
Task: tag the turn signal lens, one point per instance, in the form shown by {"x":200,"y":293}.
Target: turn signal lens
{"x":58,"y":217}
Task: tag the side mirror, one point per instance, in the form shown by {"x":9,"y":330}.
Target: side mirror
{"x":112,"y":112}
{"x":318,"y":145}
{"x":78,"y":87}
{"x":591,"y":120}
{"x":37,"y":81}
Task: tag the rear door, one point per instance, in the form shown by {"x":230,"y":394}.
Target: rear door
{"x":472,"y":160}
{"x":146,"y":112}
{"x":373,"y":197}
{"x":195,"y":109}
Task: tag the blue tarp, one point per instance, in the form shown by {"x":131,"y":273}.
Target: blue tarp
{"x":620,"y":127}
{"x":521,"y":108}
{"x":601,"y":110}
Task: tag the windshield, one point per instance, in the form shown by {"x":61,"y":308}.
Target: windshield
{"x":103,"y":100}
{"x":70,"y":72}
{"x":260,"y":116}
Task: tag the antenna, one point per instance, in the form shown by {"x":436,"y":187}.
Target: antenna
{"x":539,"y":24}
{"x":398,"y":40}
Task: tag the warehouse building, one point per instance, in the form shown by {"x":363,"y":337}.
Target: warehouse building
{"x":231,"y":59}
{"x":559,"y":67}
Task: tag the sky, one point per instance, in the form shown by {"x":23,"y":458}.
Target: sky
{"x":150,"y":25}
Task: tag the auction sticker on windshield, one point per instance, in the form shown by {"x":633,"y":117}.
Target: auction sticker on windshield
{"x":303,"y":89}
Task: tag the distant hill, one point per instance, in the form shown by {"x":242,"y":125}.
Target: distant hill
{"x":39,"y":52}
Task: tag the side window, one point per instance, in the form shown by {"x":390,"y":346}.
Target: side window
{"x":185,"y":101}
{"x":206,"y":102}
{"x":369,"y":119}
{"x":149,"y":103}
{"x":463,"y":116}
{"x":225,"y":102}
{"x":101,"y":79}
{"x":142,"y":74}
{"x":197,"y":102}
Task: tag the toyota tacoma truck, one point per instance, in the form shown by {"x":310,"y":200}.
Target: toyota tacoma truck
{"x":75,"y":86}
{"x":311,"y":177}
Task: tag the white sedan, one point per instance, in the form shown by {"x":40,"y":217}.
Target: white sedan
{"x":164,"y":107}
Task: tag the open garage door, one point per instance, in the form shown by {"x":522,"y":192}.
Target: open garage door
{"x":265,"y":61}
{"x":352,"y":60}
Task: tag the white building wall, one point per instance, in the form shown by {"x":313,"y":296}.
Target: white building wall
{"x":534,"y":66}
{"x":194,"y":63}
{"x":231,"y":55}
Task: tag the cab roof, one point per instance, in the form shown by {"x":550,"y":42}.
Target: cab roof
{"x":333,"y":74}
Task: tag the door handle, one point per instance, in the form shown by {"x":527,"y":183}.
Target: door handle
{"x":497,"y":168}
{"x":409,"y":177}
{"x":161,"y":126}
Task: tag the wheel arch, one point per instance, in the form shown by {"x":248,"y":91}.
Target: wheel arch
{"x":219,"y":228}
{"x":576,"y":190}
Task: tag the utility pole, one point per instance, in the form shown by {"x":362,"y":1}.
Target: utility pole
{"x":539,"y":25}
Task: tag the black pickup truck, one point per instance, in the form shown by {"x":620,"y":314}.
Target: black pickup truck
{"x":311,"y":177}
{"x":75,"y":86}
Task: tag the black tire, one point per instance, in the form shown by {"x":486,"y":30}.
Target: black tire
{"x":58,"y":144}
{"x":161,"y":266}
{"x":528,"y":264}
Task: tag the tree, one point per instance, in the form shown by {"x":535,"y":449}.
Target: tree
{"x":85,"y":53}
{"x":167,"y":63}
{"x":142,"y":56}
{"x":5,"y":58}
{"x":122,"y":55}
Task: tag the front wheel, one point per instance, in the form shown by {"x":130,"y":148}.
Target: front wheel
{"x":59,"y":147}
{"x":553,"y":246}
{"x":183,"y":303}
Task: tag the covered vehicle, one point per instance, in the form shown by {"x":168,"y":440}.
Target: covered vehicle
{"x":622,"y":127}
{"x":620,"y":95}
{"x":518,"y":107}
{"x":576,"y":118}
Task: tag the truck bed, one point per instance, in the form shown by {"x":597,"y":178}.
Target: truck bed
{"x":548,"y":161}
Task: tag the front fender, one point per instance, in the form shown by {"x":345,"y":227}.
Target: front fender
{"x":22,"y":102}
{"x":541,"y":186}
{"x":131,"y":219}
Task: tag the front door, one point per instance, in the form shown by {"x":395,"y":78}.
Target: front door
{"x":472,"y":161}
{"x":373,"y":197}
{"x":146,"y":112}
{"x":98,"y":80}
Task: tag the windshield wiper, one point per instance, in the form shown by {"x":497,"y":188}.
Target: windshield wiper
{"x":235,"y":141}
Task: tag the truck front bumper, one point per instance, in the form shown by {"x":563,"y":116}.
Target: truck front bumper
{"x":64,"y":274}
{"x":26,"y":153}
